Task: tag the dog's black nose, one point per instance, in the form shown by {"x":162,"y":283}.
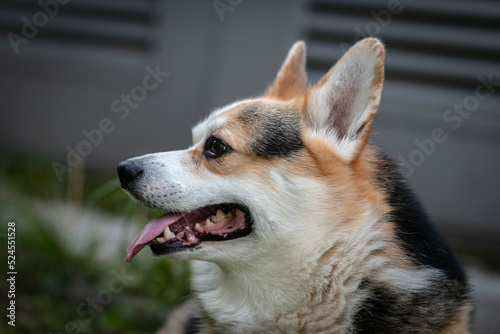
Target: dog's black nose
{"x":128,"y":171}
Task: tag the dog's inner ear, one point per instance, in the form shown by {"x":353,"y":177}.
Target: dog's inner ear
{"x":291,"y":80}
{"x":343,"y":104}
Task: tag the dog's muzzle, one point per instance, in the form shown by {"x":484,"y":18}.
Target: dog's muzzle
{"x":178,"y":229}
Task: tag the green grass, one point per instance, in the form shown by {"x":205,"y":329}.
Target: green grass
{"x":61,"y":288}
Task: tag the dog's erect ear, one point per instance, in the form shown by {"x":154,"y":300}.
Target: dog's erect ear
{"x":343,"y":104}
{"x":292,"y":78}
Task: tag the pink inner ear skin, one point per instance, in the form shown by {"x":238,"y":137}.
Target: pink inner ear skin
{"x":341,"y":104}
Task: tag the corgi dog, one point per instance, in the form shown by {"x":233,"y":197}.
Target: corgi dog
{"x":293,"y":221}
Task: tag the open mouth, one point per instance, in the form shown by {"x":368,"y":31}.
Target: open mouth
{"x":176,"y":232}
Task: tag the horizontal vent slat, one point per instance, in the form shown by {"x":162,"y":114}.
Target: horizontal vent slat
{"x":125,"y":24}
{"x":137,"y":6}
{"x":466,"y":40}
{"x":471,"y":13}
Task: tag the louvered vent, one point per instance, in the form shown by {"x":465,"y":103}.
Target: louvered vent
{"x":109,"y":24}
{"x":439,"y":45}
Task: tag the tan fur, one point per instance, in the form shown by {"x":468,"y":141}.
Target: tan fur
{"x":238,"y":133}
{"x":292,"y":79}
{"x":459,"y":325}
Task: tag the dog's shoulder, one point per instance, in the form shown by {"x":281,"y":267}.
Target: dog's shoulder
{"x":417,"y":235}
{"x":443,"y":302}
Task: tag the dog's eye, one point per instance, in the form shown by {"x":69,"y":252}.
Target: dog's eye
{"x":215,"y":147}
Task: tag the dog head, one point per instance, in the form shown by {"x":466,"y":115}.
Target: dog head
{"x":268,"y":171}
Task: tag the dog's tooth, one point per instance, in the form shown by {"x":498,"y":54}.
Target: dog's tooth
{"x":208,"y":222}
{"x":219,"y":216}
{"x":187,"y":228}
{"x":160,"y":240}
{"x":196,"y":227}
{"x":167,"y":234}
{"x":230,"y":214}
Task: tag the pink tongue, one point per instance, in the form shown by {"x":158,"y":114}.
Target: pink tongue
{"x":149,"y":232}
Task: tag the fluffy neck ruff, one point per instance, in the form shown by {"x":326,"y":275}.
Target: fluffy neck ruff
{"x":302,"y":287}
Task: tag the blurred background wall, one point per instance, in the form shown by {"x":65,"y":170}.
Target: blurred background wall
{"x":65,"y":71}
{"x":106,"y":80}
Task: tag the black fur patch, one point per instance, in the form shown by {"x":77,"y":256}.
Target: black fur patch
{"x":419,"y":238}
{"x":393,"y":312}
{"x":192,"y":325}
{"x":277,"y":132}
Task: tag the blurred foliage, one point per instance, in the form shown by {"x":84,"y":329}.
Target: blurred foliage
{"x":62,"y":289}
